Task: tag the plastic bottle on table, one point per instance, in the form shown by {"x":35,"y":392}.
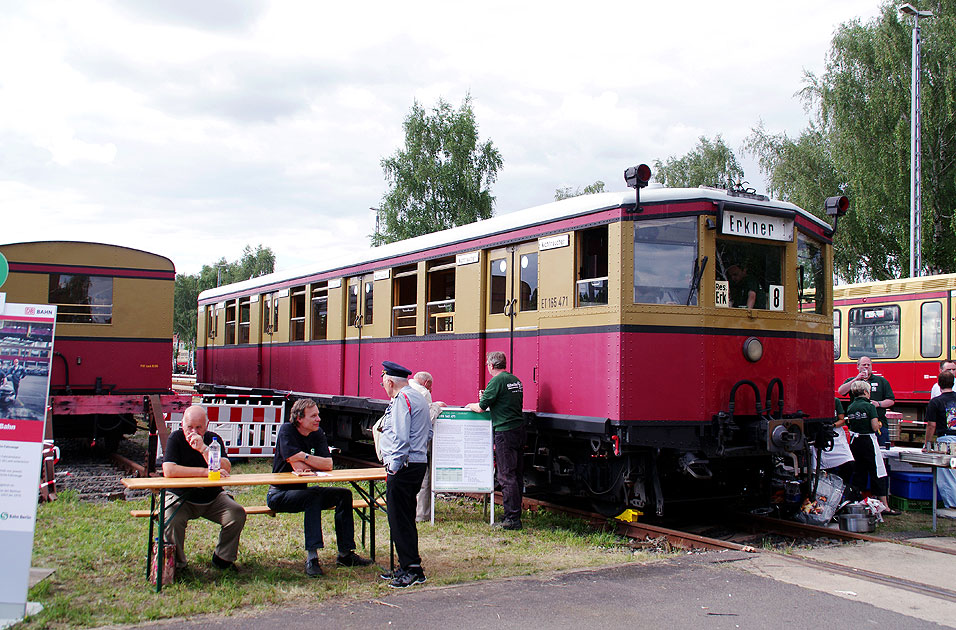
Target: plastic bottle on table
{"x":215,"y":453}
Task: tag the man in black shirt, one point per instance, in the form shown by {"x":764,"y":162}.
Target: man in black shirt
{"x":941,"y":422}
{"x":187,"y":455}
{"x":301,"y":446}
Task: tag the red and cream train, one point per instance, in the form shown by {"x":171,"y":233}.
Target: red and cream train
{"x":645,"y":381}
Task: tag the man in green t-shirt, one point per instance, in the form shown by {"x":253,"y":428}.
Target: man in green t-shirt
{"x":503,"y":398}
{"x":881,"y":395}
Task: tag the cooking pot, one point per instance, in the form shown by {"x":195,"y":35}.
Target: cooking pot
{"x":856,"y":508}
{"x":858,"y":523}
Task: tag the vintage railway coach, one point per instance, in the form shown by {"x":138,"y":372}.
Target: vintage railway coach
{"x":113,"y":342}
{"x":906,"y":327}
{"x":647,"y":377}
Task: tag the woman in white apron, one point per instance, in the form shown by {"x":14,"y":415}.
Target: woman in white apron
{"x":864,"y":425}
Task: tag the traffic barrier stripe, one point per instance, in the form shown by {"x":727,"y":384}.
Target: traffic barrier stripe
{"x":246,"y":430}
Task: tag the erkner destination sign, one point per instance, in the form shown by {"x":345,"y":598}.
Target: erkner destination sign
{"x":757,"y":226}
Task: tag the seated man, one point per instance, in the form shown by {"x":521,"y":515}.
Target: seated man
{"x":187,"y":455}
{"x":744,"y":290}
{"x":301,"y":446}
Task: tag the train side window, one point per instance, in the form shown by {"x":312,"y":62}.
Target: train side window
{"x":811,"y":289}
{"x":404,"y":300}
{"x":751,"y":267}
{"x":591,"y":282}
{"x":874,"y":331}
{"x":499,"y":286}
{"x":353,"y":301}
{"x":440,"y":307}
{"x":529,"y":282}
{"x":320,"y":311}
{"x":244,"y":319}
{"x":297,"y":314}
{"x":270,"y":313}
{"x":230,"y":323}
{"x":82,"y":299}
{"x":211,"y":321}
{"x":369,"y":292}
{"x":665,"y":251}
{"x":931,"y":330}
{"x":836,"y":334}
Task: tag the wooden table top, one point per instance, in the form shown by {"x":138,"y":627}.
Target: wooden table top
{"x":260,"y":479}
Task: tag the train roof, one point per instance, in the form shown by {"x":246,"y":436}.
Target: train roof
{"x":895,"y":287}
{"x":545,"y":213}
{"x":119,"y":249}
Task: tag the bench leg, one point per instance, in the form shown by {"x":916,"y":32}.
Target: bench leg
{"x":149,"y":537}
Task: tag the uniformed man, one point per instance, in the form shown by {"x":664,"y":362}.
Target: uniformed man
{"x":405,"y":434}
{"x":881,"y":394}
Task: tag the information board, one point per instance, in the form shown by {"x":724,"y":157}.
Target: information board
{"x":26,"y":353}
{"x":462,"y":458}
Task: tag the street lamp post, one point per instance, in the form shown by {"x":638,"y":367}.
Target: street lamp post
{"x":916,"y":237}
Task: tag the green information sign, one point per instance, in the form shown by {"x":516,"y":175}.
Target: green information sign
{"x":4,"y":269}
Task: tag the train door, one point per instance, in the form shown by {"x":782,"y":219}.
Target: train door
{"x":209,"y":345}
{"x":268,"y":325}
{"x":512,"y":322}
{"x":360,"y":294}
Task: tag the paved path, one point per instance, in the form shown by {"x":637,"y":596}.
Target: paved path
{"x":709,"y":591}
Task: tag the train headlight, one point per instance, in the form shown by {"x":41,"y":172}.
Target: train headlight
{"x":753,"y":349}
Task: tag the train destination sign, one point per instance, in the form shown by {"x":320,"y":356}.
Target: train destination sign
{"x":757,"y":226}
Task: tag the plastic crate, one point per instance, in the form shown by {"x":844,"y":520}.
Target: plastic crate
{"x":911,"y":485}
{"x":910,"y":505}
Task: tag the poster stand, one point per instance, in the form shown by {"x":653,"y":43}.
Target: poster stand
{"x":462,"y":457}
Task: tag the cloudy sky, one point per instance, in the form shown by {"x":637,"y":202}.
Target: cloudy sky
{"x":192,"y":128}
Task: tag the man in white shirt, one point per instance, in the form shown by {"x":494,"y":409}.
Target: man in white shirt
{"x":944,"y":366}
{"x":422,"y":383}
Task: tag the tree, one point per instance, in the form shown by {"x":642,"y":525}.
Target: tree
{"x":590,"y":189}
{"x":441,"y":179}
{"x":708,"y":164}
{"x":254,"y":263}
{"x":858,"y":143}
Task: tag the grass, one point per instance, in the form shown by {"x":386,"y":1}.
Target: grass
{"x":98,"y":553}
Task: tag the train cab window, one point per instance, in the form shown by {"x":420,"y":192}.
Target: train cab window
{"x":230,"y":323}
{"x":297,"y":314}
{"x":404,"y":300}
{"x":440,"y":307}
{"x":811,"y":284}
{"x":82,"y":299}
{"x":931,"y":330}
{"x":751,"y":274}
{"x":591,"y":282}
{"x":320,"y":311}
{"x":874,"y":331}
{"x":529,"y":282}
{"x":665,"y":252}
{"x":499,"y":286}
{"x":837,"y":316}
{"x":244,"y":319}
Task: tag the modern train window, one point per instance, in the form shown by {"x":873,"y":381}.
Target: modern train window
{"x":404,"y":300}
{"x":752,"y":273}
{"x":665,"y":251}
{"x":837,"y":316}
{"x":230,"y":338}
{"x":320,"y":311}
{"x":297,"y":314}
{"x":440,"y":307}
{"x":931,"y":330}
{"x":529,"y":282}
{"x":245,"y":309}
{"x":82,"y":299}
{"x":874,"y":331}
{"x":811,"y":284}
{"x":591,"y":282}
{"x":499,"y":286}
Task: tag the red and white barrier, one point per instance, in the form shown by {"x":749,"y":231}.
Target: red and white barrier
{"x":246,"y":430}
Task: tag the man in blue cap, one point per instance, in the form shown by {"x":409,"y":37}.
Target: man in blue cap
{"x":405,"y":434}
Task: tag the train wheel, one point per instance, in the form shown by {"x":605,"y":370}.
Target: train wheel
{"x":612,"y":505}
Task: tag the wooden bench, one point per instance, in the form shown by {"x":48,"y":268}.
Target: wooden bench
{"x":252,"y":509}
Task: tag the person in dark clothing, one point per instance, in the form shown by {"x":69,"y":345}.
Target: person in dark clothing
{"x":863,"y":421}
{"x":15,"y":374}
{"x":504,"y":398}
{"x":301,"y":446}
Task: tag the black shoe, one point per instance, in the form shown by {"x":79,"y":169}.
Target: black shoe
{"x":890,"y":513}
{"x":389,"y":575}
{"x":352,"y":559}
{"x":224,"y":565}
{"x":408,"y":578}
{"x":313,"y":568}
{"x":508,"y":524}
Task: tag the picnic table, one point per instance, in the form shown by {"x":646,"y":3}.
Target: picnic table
{"x":371,"y":497}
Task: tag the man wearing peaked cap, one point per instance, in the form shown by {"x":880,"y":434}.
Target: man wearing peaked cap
{"x":405,"y":432}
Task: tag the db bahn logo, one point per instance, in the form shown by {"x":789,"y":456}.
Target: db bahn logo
{"x":4,"y":516}
{"x":30,"y":310}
